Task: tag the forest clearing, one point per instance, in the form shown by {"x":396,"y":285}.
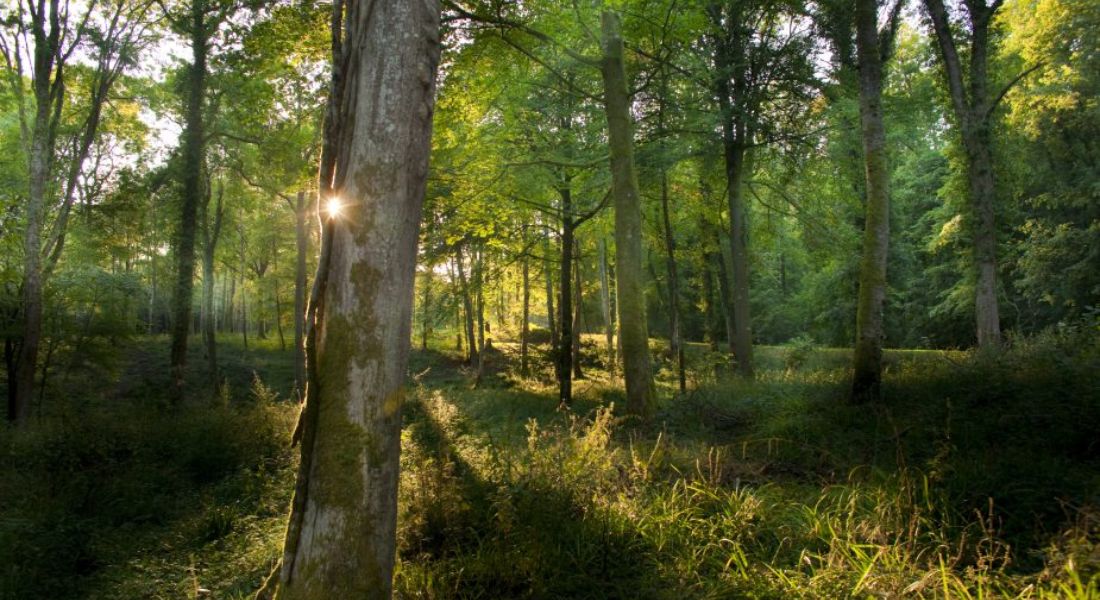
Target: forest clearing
{"x":352,"y":299}
{"x":769,"y":489}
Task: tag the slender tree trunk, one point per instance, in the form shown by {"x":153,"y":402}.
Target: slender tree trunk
{"x":244,"y":319}
{"x":725,"y":292}
{"x":210,"y":233}
{"x":301,"y":236}
{"x":279,"y":316}
{"x":468,"y":310}
{"x":525,"y":325}
{"x":479,"y":299}
{"x":605,"y":307}
{"x":867,"y":377}
{"x":426,"y":309}
{"x":548,"y":277}
{"x":193,"y":155}
{"x":565,"y":301}
{"x":342,"y":534}
{"x":709,"y":312}
{"x":675,"y":342}
{"x":578,"y":308}
{"x":633,"y":327}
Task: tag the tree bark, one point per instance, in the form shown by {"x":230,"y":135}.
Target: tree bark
{"x":867,"y":360}
{"x":633,"y":327}
{"x":342,"y":536}
{"x":194,"y":142}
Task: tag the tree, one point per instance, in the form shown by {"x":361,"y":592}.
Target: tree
{"x":760,"y":61}
{"x":973,"y":107}
{"x":341,"y":537}
{"x":633,"y":326}
{"x":872,"y":49}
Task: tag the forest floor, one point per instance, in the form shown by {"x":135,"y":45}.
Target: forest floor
{"x":978,"y":477}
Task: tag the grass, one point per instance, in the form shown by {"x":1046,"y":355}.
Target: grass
{"x":977,"y":478}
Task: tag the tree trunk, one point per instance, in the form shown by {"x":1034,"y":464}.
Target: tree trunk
{"x":342,"y":535}
{"x":426,"y":309}
{"x":676,"y":346}
{"x":724,"y":292}
{"x":605,"y":307}
{"x":633,"y":327}
{"x":525,"y":324}
{"x":565,"y":301}
{"x":867,"y":361}
{"x":210,"y":233}
{"x":301,"y":235}
{"x":709,"y":312}
{"x":578,"y":308}
{"x":468,"y":311}
{"x":548,"y":276}
{"x":479,"y":286}
{"x":193,"y":155}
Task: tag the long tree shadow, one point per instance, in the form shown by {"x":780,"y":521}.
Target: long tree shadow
{"x":488,"y":533}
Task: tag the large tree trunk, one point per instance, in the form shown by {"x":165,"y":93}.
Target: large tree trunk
{"x":301,"y":235}
{"x":342,"y":536}
{"x":211,"y":231}
{"x":867,"y":362}
{"x":633,"y":327}
{"x":973,"y":111}
{"x":194,"y":139}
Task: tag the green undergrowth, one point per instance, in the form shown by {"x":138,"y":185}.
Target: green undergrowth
{"x":977,"y":477}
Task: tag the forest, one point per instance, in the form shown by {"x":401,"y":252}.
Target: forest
{"x":654,"y":299}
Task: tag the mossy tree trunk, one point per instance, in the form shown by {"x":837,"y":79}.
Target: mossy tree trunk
{"x":867,"y":375}
{"x":633,"y":327}
{"x":342,"y":533}
{"x":199,"y":29}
